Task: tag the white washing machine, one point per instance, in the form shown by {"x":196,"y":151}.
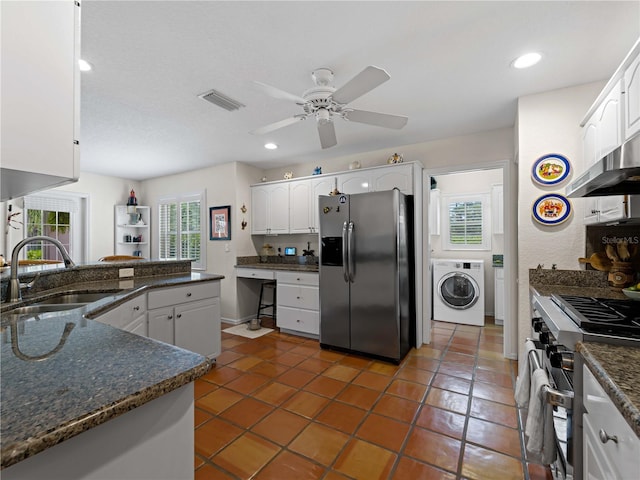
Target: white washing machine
{"x":458,"y":291}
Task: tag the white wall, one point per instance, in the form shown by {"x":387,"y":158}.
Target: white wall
{"x":104,"y":192}
{"x":480,"y":148}
{"x":548,"y":123}
{"x":226,"y":184}
{"x":474,"y":182}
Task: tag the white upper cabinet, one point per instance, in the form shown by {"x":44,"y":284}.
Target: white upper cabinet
{"x":497,"y":209}
{"x":292,"y":206}
{"x":40,"y":95}
{"x":632,"y":98}
{"x":401,"y":177}
{"x":609,"y":122}
{"x":270,"y":209}
{"x":300,"y":207}
{"x":355,"y":182}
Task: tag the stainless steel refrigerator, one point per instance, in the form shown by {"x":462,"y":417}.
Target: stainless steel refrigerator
{"x":367,"y":301}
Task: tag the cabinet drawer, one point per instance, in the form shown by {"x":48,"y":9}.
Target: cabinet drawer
{"x":298,"y":278}
{"x":298,"y":296}
{"x":188,"y":293}
{"x":301,"y":320}
{"x":602,"y":414}
{"x":255,"y":273}
{"x":123,"y":315}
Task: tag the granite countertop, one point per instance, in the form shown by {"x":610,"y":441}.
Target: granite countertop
{"x":617,"y":369}
{"x":596,"y":292}
{"x":282,"y":266}
{"x":63,"y":373}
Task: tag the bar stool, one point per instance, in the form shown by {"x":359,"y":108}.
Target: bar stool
{"x":271,"y":285}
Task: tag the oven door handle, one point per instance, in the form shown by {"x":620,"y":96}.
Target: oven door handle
{"x":558,"y":398}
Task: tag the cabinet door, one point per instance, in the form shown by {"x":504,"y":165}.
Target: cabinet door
{"x":125,"y":314}
{"x":611,"y":208}
{"x":279,"y":208}
{"x":399,"y":177}
{"x":434,"y":211}
{"x":356,"y":182}
{"x":300,"y":207}
{"x":259,"y":209}
{"x":595,"y":463}
{"x":591,"y":206}
{"x":632,"y":99}
{"x":197,"y":327}
{"x":499,"y":296}
{"x":590,"y":143}
{"x":138,"y":326}
{"x":320,"y":186}
{"x":609,"y":122}
{"x":161,"y":325}
{"x":40,"y":111}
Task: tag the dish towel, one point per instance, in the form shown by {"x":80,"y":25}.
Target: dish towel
{"x":523,"y":381}
{"x":540,"y":429}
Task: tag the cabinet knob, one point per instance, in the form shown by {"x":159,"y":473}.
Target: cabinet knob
{"x":298,"y":321}
{"x":188,"y":294}
{"x":169,"y":317}
{"x":136,"y":308}
{"x":298,"y":298}
{"x":605,"y":437}
{"x":179,"y":315}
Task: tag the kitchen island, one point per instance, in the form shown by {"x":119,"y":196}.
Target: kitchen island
{"x":82,"y":399}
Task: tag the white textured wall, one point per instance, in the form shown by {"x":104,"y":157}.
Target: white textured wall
{"x":548,"y":123}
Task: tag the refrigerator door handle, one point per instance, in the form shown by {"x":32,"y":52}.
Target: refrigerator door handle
{"x":352,"y":264}
{"x":345,"y":258}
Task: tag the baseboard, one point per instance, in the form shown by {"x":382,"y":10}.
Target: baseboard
{"x":232,"y":321}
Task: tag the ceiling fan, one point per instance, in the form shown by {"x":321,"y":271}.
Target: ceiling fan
{"x":325,"y":102}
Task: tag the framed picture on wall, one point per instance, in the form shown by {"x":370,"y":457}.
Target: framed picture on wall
{"x":220,"y":223}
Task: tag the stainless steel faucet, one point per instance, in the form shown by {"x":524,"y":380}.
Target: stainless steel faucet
{"x":13,"y":289}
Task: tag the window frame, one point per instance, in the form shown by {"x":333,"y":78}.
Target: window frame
{"x":177,"y":200}
{"x":485,"y":201}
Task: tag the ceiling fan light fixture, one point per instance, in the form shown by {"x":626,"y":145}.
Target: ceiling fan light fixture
{"x":322,"y":76}
{"x":270,"y":146}
{"x":527,"y":60}
{"x":323,"y":116}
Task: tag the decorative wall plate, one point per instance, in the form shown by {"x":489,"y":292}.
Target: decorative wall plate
{"x":550,"y":169}
{"x":551,"y":209}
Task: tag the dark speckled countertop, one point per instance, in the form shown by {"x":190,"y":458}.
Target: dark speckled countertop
{"x":292,"y":267}
{"x":617,"y":370}
{"x":63,"y":373}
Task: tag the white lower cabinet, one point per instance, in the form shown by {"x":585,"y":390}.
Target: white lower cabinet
{"x":499,"y":296}
{"x":298,"y":302}
{"x":611,"y":449}
{"x":131,"y":316}
{"x":187,"y":317}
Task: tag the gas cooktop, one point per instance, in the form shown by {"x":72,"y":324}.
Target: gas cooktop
{"x":604,"y":316}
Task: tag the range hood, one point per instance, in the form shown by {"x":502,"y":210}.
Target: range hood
{"x":617,"y":173}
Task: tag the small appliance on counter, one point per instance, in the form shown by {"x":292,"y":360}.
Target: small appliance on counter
{"x":289,"y":251}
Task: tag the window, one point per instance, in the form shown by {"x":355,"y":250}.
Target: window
{"x":468,"y":222}
{"x":181,"y":235}
{"x":60,"y":216}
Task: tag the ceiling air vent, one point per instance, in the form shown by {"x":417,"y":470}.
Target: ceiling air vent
{"x":221,"y":100}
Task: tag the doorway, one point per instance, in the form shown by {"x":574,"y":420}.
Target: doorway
{"x":438,"y":244}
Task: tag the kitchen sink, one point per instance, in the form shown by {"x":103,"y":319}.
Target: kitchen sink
{"x":36,"y":309}
{"x":82,"y":298}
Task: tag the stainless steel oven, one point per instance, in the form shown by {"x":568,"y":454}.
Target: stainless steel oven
{"x":559,"y":322}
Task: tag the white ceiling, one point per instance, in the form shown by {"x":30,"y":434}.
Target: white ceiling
{"x":449,"y":66}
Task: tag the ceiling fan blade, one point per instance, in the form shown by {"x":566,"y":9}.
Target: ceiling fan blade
{"x":373,"y":118}
{"x":364,"y":82}
{"x":280,"y":94}
{"x":327,"y":133}
{"x":276,"y":125}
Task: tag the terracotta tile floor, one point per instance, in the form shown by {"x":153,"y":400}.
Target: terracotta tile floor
{"x":278,"y":407}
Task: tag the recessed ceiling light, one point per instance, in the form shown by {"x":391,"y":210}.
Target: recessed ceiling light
{"x":84,"y":65}
{"x":527,"y":60}
{"x":270,"y":146}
